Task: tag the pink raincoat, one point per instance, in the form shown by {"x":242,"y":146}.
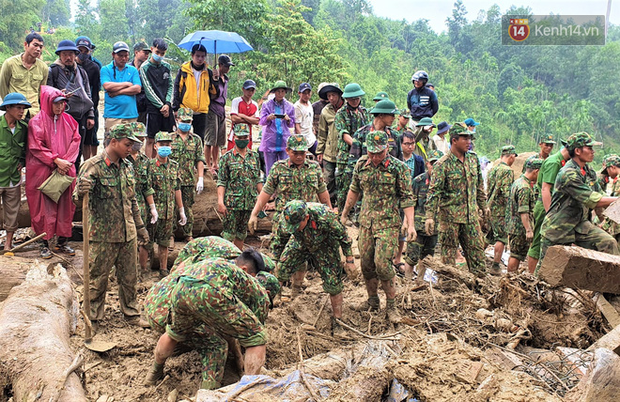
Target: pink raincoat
{"x":50,"y":137}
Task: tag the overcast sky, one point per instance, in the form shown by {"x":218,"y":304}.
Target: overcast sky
{"x":436,"y":11}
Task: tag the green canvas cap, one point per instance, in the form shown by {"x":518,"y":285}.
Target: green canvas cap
{"x":376,"y":141}
{"x":297,"y":142}
{"x":509,"y":150}
{"x":380,"y":96}
{"x":120,"y":131}
{"x":579,"y":140}
{"x":384,"y":106}
{"x":353,"y":90}
{"x":294,"y":212}
{"x":163,"y":136}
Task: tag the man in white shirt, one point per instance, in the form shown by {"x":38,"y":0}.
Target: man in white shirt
{"x":439,"y":141}
{"x":304,"y":116}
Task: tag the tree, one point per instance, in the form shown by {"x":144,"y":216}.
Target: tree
{"x":57,"y":12}
{"x":113,"y":20}
{"x":86,"y":20}
{"x":15,"y":19}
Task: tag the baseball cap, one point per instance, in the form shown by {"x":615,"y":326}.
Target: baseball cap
{"x":297,"y":142}
{"x":404,"y":113}
{"x":249,"y":84}
{"x":294,"y":213}
{"x":612,"y":160}
{"x":579,"y":140}
{"x":459,"y":128}
{"x":547,"y":139}
{"x":59,"y":98}
{"x":241,"y":130}
{"x":376,"y":141}
{"x":84,"y":41}
{"x":120,"y":46}
{"x":122,"y":130}
{"x":225,"y":60}
{"x":471,"y":122}
{"x":533,"y":162}
{"x":185,"y":114}
{"x":304,"y":86}
{"x":434,"y":155}
{"x":163,"y":136}
{"x":138,"y":129}
{"x":509,"y":150}
{"x":140,"y":46}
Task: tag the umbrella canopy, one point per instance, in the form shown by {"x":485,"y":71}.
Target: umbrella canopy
{"x":217,"y":42}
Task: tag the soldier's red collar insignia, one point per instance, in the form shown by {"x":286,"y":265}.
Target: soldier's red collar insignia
{"x":313,"y":224}
{"x":583,"y":171}
{"x":427,"y":181}
{"x":563,"y":162}
{"x":615,"y":179}
{"x":108,"y":162}
{"x":387,"y":162}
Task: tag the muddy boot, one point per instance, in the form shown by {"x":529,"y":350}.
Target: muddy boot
{"x":496,"y":270}
{"x":393,"y":315}
{"x":137,"y":321}
{"x":371,"y":304}
{"x":155,"y":374}
{"x":337,"y":329}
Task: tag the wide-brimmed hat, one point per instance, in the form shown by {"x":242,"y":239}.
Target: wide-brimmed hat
{"x":67,"y":45}
{"x":353,"y":90}
{"x":14,"y":98}
{"x":281,"y":85}
{"x":425,"y":121}
{"x":443,"y":127}
{"x":384,"y":106}
{"x":327,"y":88}
{"x":380,"y":96}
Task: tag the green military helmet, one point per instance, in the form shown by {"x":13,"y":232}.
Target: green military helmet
{"x":425,"y":121}
{"x":353,"y":90}
{"x":380,"y":96}
{"x":376,"y":141}
{"x":297,"y":142}
{"x":578,"y":140}
{"x":293,"y":214}
{"x":509,"y":150}
{"x":459,"y":128}
{"x":163,"y":136}
{"x":122,"y":130}
{"x":404,"y":113}
{"x":281,"y":85}
{"x":241,"y":130}
{"x":139,"y":129}
{"x":434,"y":155}
{"x":533,"y":162}
{"x":185,"y":114}
{"x":547,"y":139}
{"x":384,"y":106}
{"x":270,"y":283}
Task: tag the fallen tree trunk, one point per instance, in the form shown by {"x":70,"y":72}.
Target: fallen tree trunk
{"x":580,"y":268}
{"x":35,"y":325}
{"x":13,"y":272}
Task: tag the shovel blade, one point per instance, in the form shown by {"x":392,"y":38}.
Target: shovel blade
{"x":97,"y":345}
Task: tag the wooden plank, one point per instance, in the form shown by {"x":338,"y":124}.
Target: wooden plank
{"x":613,"y":211}
{"x":609,"y":311}
{"x":609,"y":341}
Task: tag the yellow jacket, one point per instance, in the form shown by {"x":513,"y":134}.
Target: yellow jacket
{"x":186,"y":94}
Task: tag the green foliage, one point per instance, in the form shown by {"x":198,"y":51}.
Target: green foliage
{"x":113,"y":20}
{"x":57,"y":12}
{"x":16,"y":18}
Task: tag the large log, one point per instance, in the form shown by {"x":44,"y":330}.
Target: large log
{"x":580,"y":268}
{"x":35,"y":325}
{"x":12,"y":273}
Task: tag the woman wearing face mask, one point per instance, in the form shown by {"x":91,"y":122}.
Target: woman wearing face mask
{"x":53,"y":144}
{"x":187,"y":152}
{"x":238,"y":185}
{"x":164,"y":178}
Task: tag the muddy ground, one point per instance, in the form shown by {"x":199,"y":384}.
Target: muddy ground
{"x":447,"y":345}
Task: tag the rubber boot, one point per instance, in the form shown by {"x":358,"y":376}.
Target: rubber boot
{"x":371,"y":304}
{"x":337,"y":329}
{"x":393,"y":315}
{"x":155,"y":374}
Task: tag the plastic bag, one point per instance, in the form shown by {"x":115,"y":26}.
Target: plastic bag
{"x":56,"y":185}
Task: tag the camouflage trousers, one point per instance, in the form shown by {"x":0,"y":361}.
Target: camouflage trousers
{"x":326,"y":261}
{"x":422,"y":246}
{"x":497,"y":231}
{"x":377,"y":249}
{"x":470,"y":239}
{"x":280,"y":237}
{"x":235,"y":224}
{"x":539,"y":217}
{"x":343,"y":182}
{"x":329,"y":171}
{"x":188,"y":195}
{"x":160,"y":233}
{"x":194,"y":302}
{"x":519,"y":246}
{"x":104,"y":256}
{"x":596,"y":239}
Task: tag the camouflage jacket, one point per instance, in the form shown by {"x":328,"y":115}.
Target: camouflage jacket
{"x":456,"y":191}
{"x":114,"y":212}
{"x":239,"y":176}
{"x":499,"y":181}
{"x":295,"y":183}
{"x":164,"y":179}
{"x":203,"y":248}
{"x":358,"y":148}
{"x":576,"y":193}
{"x":140,"y":168}
{"x":348,"y":121}
{"x":187,"y":154}
{"x":386,"y":188}
{"x":420,"y":191}
{"x":521,"y":200}
{"x":610,"y":226}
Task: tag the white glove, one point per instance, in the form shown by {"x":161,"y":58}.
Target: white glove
{"x":183,"y":219}
{"x":154,"y":214}
{"x":200,"y":185}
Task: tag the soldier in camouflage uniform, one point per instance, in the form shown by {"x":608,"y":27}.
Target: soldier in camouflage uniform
{"x":238,"y":185}
{"x":423,"y":245}
{"x":165,"y":179}
{"x":347,"y":121}
{"x":499,"y":180}
{"x":422,"y":131}
{"x":520,"y":213}
{"x":386,"y":184}
{"x":576,"y":194}
{"x":223,"y":298}
{"x":295,"y":178}
{"x":455,"y":195}
{"x":546,"y":144}
{"x":115,"y":223}
{"x":144,"y":193}
{"x":612,"y":170}
{"x":317,"y":239}
{"x":187,"y":151}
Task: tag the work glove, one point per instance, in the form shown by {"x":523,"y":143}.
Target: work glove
{"x":154,"y":214}
{"x":429,"y":226}
{"x":183,"y":219}
{"x":84,"y":186}
{"x":200,"y":185}
{"x":253,"y":223}
{"x":143,"y":236}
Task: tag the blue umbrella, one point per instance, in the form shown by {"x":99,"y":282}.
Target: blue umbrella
{"x":217,"y":41}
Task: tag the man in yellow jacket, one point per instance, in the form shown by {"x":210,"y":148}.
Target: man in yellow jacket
{"x":194,"y":89}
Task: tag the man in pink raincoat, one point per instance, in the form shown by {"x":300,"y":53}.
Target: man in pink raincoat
{"x":53,"y":144}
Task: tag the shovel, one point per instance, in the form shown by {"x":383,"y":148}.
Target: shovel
{"x":12,"y":251}
{"x":92,"y":344}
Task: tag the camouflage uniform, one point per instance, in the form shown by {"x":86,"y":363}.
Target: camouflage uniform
{"x":143,"y":190}
{"x":386,"y":187}
{"x":359,"y":144}
{"x":576,"y":193}
{"x":499,"y":181}
{"x":164,"y":178}
{"x":318,"y":243}
{"x":227,"y":300}
{"x":114,"y":220}
{"x":239,"y":176}
{"x":204,"y":248}
{"x":455,"y":194}
{"x":347,"y":121}
{"x":610,"y":226}
{"x":521,"y":200}
{"x":424,"y":245}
